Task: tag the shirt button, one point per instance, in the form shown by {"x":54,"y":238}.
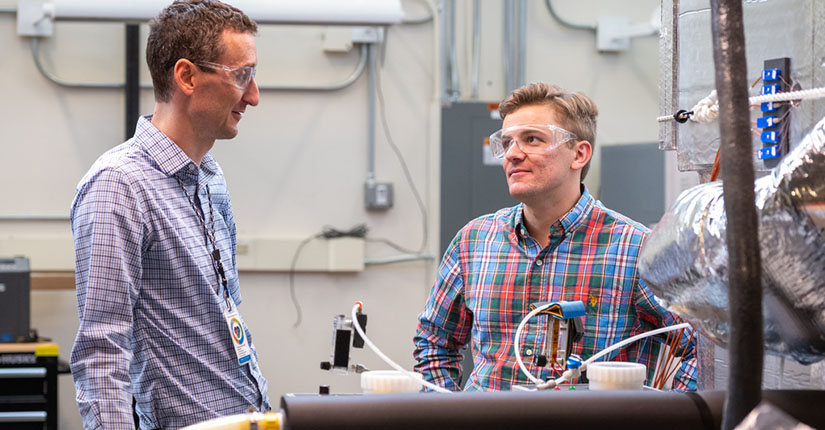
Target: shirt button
{"x":523,"y":232}
{"x":528,"y":352}
{"x":538,"y":262}
{"x":191,"y":167}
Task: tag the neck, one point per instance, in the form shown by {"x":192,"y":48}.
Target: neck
{"x":543,"y":213}
{"x":172,"y":121}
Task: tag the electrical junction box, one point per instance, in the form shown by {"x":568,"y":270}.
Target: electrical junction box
{"x":14,"y":298}
{"x":774,"y":131}
{"x":378,"y":195}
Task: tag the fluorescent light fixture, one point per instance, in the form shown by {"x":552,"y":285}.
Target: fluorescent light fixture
{"x":35,"y":17}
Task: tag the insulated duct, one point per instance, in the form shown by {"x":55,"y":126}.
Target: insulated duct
{"x":685,"y":259}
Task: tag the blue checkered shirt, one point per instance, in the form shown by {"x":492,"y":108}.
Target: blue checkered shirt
{"x":149,"y":300}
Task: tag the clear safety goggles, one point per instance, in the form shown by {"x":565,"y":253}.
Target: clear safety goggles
{"x":241,"y":75}
{"x":530,"y":138}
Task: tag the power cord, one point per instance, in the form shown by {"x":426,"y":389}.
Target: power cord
{"x":386,"y":128}
{"x":359,"y":231}
{"x":327,"y":232}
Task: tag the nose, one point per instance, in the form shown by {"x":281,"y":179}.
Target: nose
{"x":514,"y":152}
{"x":251,"y":94}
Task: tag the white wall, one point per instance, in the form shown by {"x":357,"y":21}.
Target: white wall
{"x":299,"y":161}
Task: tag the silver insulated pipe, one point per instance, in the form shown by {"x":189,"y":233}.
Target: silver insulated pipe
{"x":685,"y":259}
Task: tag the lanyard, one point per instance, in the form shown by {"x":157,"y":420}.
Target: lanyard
{"x":210,"y":236}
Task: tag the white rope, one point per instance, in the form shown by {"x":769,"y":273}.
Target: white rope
{"x":813,"y":93}
{"x":707,"y":110}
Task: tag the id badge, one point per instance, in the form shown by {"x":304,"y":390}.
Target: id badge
{"x":237,"y":333}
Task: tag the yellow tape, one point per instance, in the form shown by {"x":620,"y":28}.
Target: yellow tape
{"x":46,"y":350}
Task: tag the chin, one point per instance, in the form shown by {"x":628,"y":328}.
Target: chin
{"x":518,"y":192}
{"x":228,"y":134}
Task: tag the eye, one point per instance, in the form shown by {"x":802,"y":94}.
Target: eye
{"x":506,"y":141}
{"x":533,"y":139}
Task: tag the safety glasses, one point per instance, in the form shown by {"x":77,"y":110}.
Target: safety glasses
{"x":530,"y":138}
{"x":241,"y":75}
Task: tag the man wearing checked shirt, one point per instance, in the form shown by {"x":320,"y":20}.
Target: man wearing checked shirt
{"x":558,"y":244}
{"x":157,"y":285}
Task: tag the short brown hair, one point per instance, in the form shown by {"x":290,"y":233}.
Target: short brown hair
{"x":577,"y":112}
{"x":189,"y":29}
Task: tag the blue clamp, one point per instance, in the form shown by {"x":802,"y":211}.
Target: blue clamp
{"x":770,"y":137}
{"x":768,"y":107}
{"x":562,"y":309}
{"x":769,"y":152}
{"x":770,"y":89}
{"x":771,"y":74}
{"x":574,"y":361}
{"x":766,"y":121}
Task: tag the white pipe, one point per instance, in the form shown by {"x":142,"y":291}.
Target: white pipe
{"x":634,"y":339}
{"x":386,"y":359}
{"x":517,"y":346}
{"x":565,"y":377}
{"x":398,"y":259}
{"x":262,"y":11}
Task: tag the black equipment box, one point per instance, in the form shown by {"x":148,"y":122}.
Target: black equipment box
{"x":14,"y":299}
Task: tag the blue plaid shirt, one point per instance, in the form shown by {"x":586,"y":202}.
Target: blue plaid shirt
{"x":149,"y":300}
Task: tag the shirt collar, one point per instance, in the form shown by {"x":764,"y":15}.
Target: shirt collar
{"x":572,"y":219}
{"x":569,"y":222}
{"x":168,"y":156}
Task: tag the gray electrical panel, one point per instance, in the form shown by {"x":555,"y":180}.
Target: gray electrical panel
{"x":472,"y":180}
{"x":632,"y":181}
{"x":14,"y":299}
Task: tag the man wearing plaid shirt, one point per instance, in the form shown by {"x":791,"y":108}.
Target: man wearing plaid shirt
{"x":558,"y":244}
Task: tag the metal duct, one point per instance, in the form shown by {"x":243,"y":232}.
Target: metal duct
{"x":685,"y":259}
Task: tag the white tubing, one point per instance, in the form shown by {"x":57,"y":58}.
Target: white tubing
{"x":633,"y":339}
{"x":516,"y":345}
{"x":386,"y":359}
{"x":566,"y":376}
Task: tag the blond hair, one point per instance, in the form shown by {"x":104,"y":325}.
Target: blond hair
{"x":576,"y":112}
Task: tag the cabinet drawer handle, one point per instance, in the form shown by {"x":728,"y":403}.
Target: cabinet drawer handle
{"x":23,"y":417}
{"x":23,"y":372}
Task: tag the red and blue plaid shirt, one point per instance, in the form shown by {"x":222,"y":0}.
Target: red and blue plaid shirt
{"x":493,"y":270}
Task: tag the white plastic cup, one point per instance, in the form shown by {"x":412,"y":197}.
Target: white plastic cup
{"x":389,"y":381}
{"x":616,"y":375}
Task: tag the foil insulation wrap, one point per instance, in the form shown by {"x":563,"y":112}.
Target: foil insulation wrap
{"x":685,"y":257}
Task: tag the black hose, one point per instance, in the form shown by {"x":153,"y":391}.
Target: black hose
{"x":744,"y":268}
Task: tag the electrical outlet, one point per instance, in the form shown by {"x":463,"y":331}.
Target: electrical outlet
{"x":378,"y":195}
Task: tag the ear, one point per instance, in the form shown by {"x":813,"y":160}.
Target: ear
{"x":184,"y":76}
{"x":583,"y":150}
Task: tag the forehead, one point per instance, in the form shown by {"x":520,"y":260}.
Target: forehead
{"x":531,"y":114}
{"x":238,"y":49}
